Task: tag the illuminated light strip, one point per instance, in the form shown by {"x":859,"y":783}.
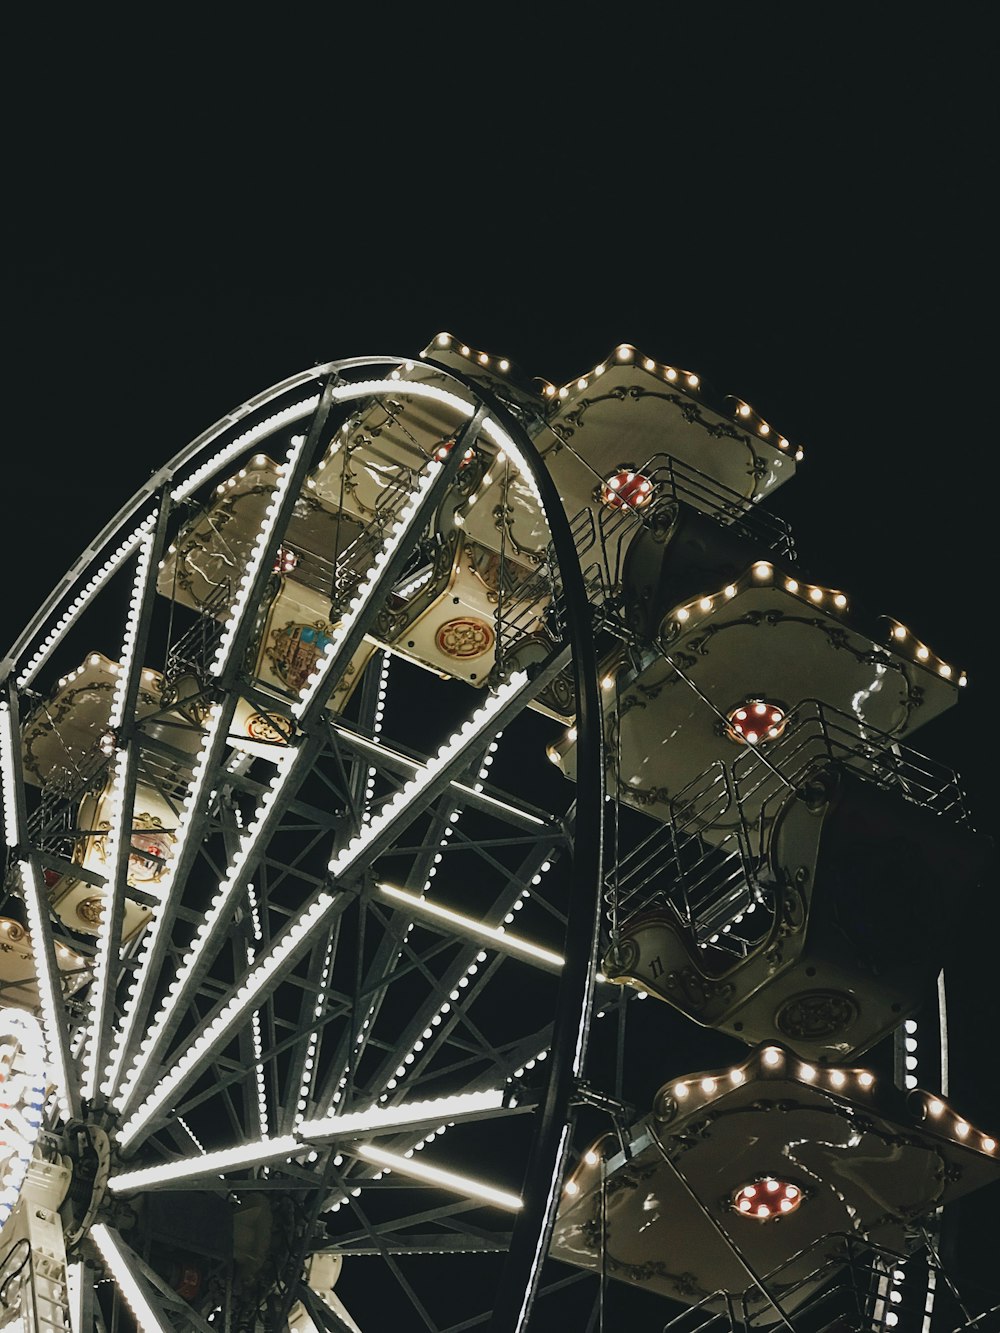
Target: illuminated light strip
{"x":764,"y":572}
{"x":942,"y":997}
{"x":263,"y":1119}
{"x":289,"y":1145}
{"x":761,"y":573}
{"x":48,"y":988}
{"x":116,"y":1260}
{"x":416,"y":583}
{"x":191,"y":1134}
{"x":470,"y":731}
{"x":141,"y":979}
{"x":212,"y":1163}
{"x":239,"y":606}
{"x":64,"y":622}
{"x":383,"y":685}
{"x":625,"y":352}
{"x":308,"y":1067}
{"x":365,"y":590}
{"x":309,"y":1061}
{"x":217,"y":911}
{"x":960,"y":1129}
{"x":435,"y":1021}
{"x":882,"y":1290}
{"x":920,"y":653}
{"x":433,"y":1175}
{"x":417,"y":1147}
{"x":910,"y":1058}
{"x":402,"y":1115}
{"x":773,"y":1059}
{"x":8,"y":785}
{"x":495,"y":935}
{"x":99,"y":990}
{"x":256,"y":1038}
{"x":345,"y":393}
{"x":76,"y":1277}
{"x":243,"y":442}
{"x":131,"y":629}
{"x":286,"y":949}
{"x":409,"y":1056}
{"x":929,"y":1302}
{"x":443,"y":340}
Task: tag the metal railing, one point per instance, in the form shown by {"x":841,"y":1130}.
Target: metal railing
{"x":853,"y":1286}
{"x":708,"y":863}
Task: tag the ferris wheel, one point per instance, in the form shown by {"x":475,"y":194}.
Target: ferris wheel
{"x":392,"y":792}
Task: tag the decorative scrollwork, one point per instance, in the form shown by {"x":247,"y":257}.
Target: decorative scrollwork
{"x":693,"y":990}
{"x":645,"y":795}
{"x":813,"y":1015}
{"x":621,"y":958}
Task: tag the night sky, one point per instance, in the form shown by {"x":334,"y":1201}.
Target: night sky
{"x":806,"y":225}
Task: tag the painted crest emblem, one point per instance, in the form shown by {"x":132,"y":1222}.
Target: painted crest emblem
{"x":271,"y":728}
{"x":465,"y":637}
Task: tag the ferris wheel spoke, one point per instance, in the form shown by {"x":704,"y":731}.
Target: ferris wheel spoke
{"x":301,"y":1072}
{"x":55,"y":1021}
{"x":372,"y":1121}
{"x":387,"y":1076}
{"x":387,"y":566}
{"x":125,"y":765}
{"x":73,"y":611}
{"x":232,"y":646}
{"x":120,"y":797}
{"x":422,"y":790}
{"x":130,"y":1276}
